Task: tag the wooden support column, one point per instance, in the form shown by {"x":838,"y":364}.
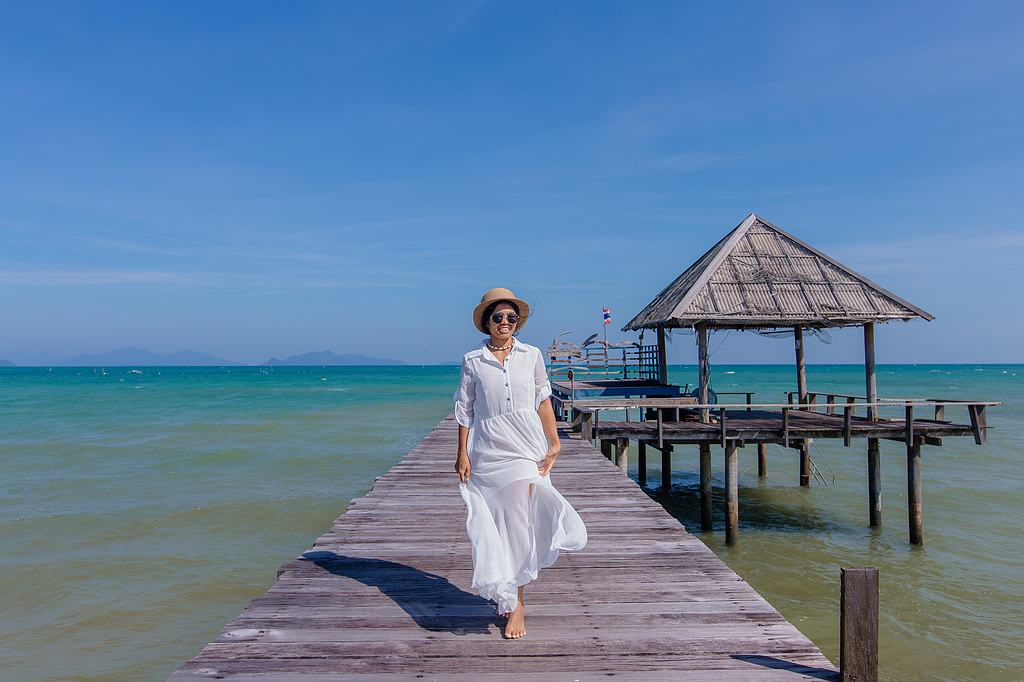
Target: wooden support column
{"x":805,"y":462}
{"x":666,"y":466}
{"x":762,"y":460}
{"x":732,"y":497}
{"x":606,"y":447}
{"x":870,"y":379}
{"x":801,"y":367}
{"x":622,"y":454}
{"x":662,"y":358}
{"x":705,"y":486}
{"x":874,"y":484}
{"x":703,"y":369}
{"x":587,"y":427}
{"x":858,"y":625}
{"x":641,"y":461}
{"x":801,"y":388}
{"x":914,"y":492}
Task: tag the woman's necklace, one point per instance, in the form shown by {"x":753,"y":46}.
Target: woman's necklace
{"x":497,"y":348}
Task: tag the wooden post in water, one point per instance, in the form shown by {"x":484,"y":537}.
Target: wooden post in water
{"x":641,"y":461}
{"x":762,"y":460}
{"x":666,"y":466}
{"x":705,"y":486}
{"x":805,"y":462}
{"x":606,"y":447}
{"x":871,"y":393}
{"x":858,"y":624}
{"x":732,"y":497}
{"x":874,"y":484}
{"x":622,"y":454}
{"x":662,"y":359}
{"x":914,"y":492}
{"x":801,"y":388}
{"x":703,"y":369}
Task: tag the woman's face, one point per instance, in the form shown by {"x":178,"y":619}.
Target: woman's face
{"x":502,"y":331}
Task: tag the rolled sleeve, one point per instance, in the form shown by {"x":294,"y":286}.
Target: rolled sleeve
{"x":465,"y":396}
{"x":541,"y":384}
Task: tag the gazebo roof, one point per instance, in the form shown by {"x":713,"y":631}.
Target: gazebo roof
{"x":759,"y":276}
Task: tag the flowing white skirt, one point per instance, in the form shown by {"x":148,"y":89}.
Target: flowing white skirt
{"x":514,"y":531}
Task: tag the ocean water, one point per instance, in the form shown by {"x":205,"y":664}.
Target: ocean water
{"x":141,"y":509}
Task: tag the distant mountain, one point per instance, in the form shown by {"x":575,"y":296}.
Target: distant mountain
{"x":143,"y":357}
{"x":451,"y":362}
{"x":6,"y":363}
{"x":326,"y":358}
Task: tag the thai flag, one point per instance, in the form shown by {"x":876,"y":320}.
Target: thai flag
{"x":607,"y":312}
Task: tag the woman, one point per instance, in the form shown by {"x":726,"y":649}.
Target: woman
{"x":508,"y":442}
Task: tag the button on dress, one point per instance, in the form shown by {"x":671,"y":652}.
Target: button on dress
{"x":514,"y":533}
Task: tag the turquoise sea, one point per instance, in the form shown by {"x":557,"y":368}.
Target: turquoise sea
{"x":142,"y":508}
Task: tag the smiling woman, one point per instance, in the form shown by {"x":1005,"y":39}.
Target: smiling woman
{"x":508,"y":442}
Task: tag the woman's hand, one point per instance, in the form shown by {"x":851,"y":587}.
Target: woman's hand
{"x":544,"y":466}
{"x":462,"y":467}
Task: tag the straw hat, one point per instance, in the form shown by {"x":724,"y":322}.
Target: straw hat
{"x":500,"y":294}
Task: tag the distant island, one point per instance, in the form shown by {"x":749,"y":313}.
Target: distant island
{"x":145,"y":358}
{"x":326,"y":358}
{"x":6,"y":363}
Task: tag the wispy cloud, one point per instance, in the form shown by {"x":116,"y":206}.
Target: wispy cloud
{"x":64,"y":278}
{"x":939,"y":252}
{"x":382,"y":279}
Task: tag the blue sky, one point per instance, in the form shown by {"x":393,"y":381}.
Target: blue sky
{"x":257,"y":179}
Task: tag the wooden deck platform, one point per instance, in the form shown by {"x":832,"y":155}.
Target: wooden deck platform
{"x":385,"y":594}
{"x":767,"y":426}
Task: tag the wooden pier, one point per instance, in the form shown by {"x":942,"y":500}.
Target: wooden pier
{"x":385,"y":594}
{"x":786,"y":424}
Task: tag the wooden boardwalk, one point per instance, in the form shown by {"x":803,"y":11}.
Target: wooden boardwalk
{"x":384,"y":594}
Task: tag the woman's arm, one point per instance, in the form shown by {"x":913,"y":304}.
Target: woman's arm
{"x":547,"y":419}
{"x":542,"y":388}
{"x":462,"y":458}
{"x":465,"y":397}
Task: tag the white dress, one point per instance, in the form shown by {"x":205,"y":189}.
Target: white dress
{"x":514,"y":533}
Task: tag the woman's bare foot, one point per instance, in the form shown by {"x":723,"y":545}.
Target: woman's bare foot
{"x":515,"y":627}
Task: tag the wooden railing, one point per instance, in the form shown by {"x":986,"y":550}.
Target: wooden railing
{"x":585,"y":413}
{"x":748,"y":394}
{"x":628,"y":362}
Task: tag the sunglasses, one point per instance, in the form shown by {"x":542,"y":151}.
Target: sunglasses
{"x":512,"y":318}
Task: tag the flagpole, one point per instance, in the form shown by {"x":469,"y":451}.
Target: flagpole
{"x":605,"y":319}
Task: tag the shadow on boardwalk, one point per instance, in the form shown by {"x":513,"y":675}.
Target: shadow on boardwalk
{"x":430,"y":600}
{"x":789,"y":666}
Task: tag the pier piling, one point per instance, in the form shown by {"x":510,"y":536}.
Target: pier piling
{"x":874,"y":484}
{"x":622,"y":454}
{"x":732,"y":498}
{"x":914,"y":492}
{"x":641,"y":461}
{"x":705,"y":486}
{"x":805,"y":463}
{"x":858,"y":624}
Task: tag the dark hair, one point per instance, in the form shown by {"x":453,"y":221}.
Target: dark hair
{"x":485,"y":318}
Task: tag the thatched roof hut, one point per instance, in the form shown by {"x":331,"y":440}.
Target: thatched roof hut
{"x":760,"y":276}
